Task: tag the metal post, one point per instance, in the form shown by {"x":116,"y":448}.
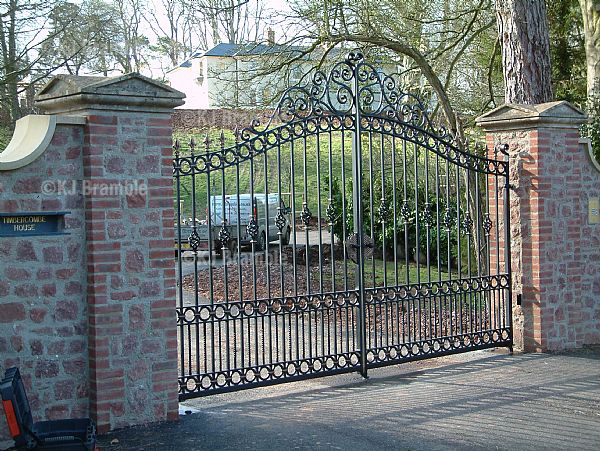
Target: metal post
{"x":507,"y":249}
{"x":358,"y":224}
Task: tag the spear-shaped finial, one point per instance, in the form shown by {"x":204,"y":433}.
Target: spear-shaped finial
{"x":222,"y":139}
{"x":206,"y":142}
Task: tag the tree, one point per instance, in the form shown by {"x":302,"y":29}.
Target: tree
{"x":590,"y":10}
{"x":80,"y":33}
{"x":567,"y":50}
{"x":232,"y":21}
{"x":441,"y":46}
{"x":131,"y":46}
{"x":22,"y":33}
{"x":524,"y":37}
{"x":173,"y":37}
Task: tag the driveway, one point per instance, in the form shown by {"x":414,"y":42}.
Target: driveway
{"x":481,"y":400}
{"x":205,"y":258}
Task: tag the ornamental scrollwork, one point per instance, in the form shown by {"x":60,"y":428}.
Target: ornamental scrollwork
{"x":352,"y":90}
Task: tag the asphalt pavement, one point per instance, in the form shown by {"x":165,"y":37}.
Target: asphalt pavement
{"x":479,"y":400}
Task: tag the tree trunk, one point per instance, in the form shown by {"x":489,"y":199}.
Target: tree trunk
{"x":523,"y":33}
{"x":590,"y":9}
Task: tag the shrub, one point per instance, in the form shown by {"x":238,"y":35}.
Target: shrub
{"x":382,"y":218}
{"x":592,"y":129}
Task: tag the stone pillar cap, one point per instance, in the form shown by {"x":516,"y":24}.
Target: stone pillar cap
{"x":129,"y":92}
{"x":559,"y":114}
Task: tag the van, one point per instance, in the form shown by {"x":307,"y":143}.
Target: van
{"x":235,"y":212}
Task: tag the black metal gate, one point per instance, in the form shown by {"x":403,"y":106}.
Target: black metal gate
{"x":349,"y":233}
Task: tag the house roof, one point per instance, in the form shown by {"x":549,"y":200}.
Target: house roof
{"x":252,"y":48}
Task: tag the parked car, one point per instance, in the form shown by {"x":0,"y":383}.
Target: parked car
{"x":235,"y":213}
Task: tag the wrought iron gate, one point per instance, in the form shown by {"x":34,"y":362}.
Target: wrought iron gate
{"x":350,"y":233}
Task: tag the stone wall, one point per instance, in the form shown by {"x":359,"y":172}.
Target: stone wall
{"x":133,"y":342}
{"x":588,"y":319}
{"x":555,"y":251}
{"x":89,"y":317}
{"x":43,"y":313}
{"x":230,"y":119}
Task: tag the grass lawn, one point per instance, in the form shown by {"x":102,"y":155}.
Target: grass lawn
{"x":318,"y":160}
{"x":307,"y":178}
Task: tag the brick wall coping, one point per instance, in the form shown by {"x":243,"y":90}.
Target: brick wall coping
{"x":31,"y":138}
{"x":587,"y":144}
{"x":130,"y":92}
{"x":520,"y":117}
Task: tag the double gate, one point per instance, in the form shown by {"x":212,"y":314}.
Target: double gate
{"x":347,"y":233}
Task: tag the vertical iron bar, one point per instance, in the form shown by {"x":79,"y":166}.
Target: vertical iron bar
{"x":417,"y":244}
{"x":239,"y":258}
{"x":507,"y":250}
{"x":358,"y":225}
{"x":394,"y":212}
{"x":225,"y":221}
{"x":177,"y":171}
{"x":478,"y":250}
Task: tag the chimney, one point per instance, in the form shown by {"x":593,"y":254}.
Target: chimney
{"x":270,"y":36}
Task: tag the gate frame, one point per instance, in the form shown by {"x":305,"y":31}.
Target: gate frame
{"x":298,"y":106}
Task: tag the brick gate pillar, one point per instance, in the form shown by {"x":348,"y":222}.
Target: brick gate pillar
{"x":555,"y":277}
{"x":129,"y":221}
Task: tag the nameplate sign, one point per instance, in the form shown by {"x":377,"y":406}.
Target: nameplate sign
{"x":35,"y":223}
{"x":594,"y":210}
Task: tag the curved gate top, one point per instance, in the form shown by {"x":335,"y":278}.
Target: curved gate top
{"x":347,"y":233}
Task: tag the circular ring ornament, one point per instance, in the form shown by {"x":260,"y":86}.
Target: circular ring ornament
{"x":191,"y":384}
{"x":219,"y":312}
{"x":206,"y":382}
{"x":277,"y":371}
{"x":234,"y":311}
{"x":304,"y":367}
{"x":189,"y":315}
{"x":205,"y":313}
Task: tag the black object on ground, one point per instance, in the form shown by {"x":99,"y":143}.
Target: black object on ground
{"x":67,"y":435}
